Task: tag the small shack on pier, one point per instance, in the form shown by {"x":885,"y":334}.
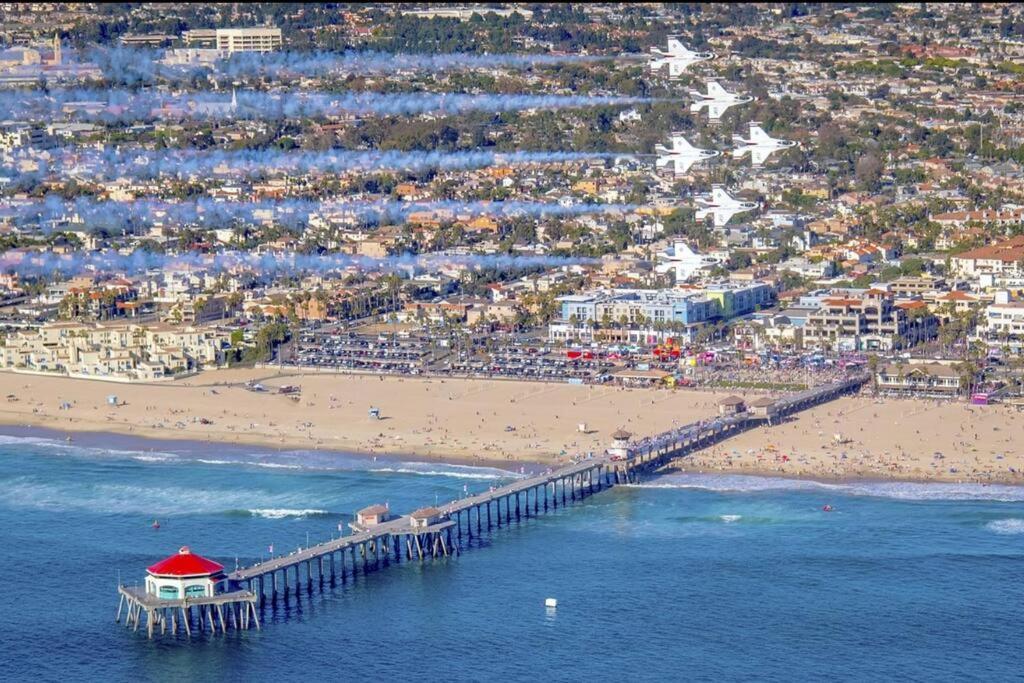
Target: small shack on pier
{"x":731,"y":405}
{"x":184,"y":575}
{"x":763,"y":408}
{"x":425,"y":517}
{"x":371,"y":516}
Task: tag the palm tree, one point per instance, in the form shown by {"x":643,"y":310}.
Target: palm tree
{"x":873,"y":369}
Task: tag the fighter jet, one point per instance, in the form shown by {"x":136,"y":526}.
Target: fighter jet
{"x":678,"y":57}
{"x":684,"y":261}
{"x":721,"y":207}
{"x":682,"y":155}
{"x":760,"y":145}
{"x":717,"y":100}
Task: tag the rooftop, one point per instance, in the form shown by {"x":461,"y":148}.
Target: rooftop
{"x":185,"y":563}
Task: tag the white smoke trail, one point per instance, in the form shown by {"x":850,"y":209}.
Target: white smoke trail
{"x":138,"y":163}
{"x":55,"y":213}
{"x":28,"y":264}
{"x":118,"y":106}
{"x":134,"y":66}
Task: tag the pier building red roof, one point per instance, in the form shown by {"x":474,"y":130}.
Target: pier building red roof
{"x":185,"y":563}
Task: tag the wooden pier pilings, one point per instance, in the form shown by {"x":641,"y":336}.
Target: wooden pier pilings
{"x":235,"y":609}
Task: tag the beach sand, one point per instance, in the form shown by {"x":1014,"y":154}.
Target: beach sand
{"x":493,"y":421}
{"x":883,"y":438}
{"x":451,"y":419}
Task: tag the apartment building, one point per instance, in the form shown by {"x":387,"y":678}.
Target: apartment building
{"x":1001,"y":258}
{"x":870,"y":322}
{"x":651,"y":315}
{"x":1002,"y":325}
{"x":113,"y":351}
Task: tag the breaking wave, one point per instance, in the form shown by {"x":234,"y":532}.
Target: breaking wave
{"x":319,"y":461}
{"x":896,"y":490}
{"x":454,"y":471}
{"x":281,"y":513}
{"x":1010,"y":526}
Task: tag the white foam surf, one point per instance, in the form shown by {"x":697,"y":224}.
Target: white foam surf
{"x":896,"y":490}
{"x":142,"y":499}
{"x":281,"y":513}
{"x":454,"y":471}
{"x":1011,"y":526}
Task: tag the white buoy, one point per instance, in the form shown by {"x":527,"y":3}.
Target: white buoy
{"x":551,"y":602}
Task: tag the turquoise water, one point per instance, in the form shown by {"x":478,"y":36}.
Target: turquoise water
{"x":683,"y":577}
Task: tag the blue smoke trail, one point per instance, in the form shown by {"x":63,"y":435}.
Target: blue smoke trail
{"x":144,"y":164}
{"x":124,"y":106}
{"x":48,"y":264}
{"x":54,"y":213}
{"x":137,"y":66}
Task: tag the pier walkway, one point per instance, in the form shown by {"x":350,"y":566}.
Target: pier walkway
{"x":415,"y":538}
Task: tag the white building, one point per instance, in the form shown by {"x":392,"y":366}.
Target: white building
{"x":1003,"y":324}
{"x":258,"y":39}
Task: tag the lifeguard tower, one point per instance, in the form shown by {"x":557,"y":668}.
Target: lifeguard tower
{"x":619,"y":450}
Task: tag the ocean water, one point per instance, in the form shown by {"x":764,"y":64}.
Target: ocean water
{"x":682,"y":577}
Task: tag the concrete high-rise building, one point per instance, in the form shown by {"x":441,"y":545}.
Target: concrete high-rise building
{"x":259,"y":39}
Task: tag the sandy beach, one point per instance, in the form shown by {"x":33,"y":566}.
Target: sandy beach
{"x":491,"y":421}
{"x":918,"y":440}
{"x":451,"y":419}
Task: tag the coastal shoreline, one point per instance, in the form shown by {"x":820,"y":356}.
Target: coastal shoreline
{"x":184,"y":445}
{"x":513,"y":425}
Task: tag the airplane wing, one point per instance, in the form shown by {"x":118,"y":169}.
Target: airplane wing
{"x":676,"y":67}
{"x":683,"y":164}
{"x":720,"y":196}
{"x":715,"y":90}
{"x":757,"y":134}
{"x":681,"y":144}
{"x":759,"y":155}
{"x":716,"y":109}
{"x":722,"y":216}
{"x":697,"y":106}
{"x":675,"y":47}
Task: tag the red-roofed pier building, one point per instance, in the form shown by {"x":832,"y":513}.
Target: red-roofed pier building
{"x":185,"y":575}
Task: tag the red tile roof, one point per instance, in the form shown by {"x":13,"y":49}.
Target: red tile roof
{"x":185,"y":563}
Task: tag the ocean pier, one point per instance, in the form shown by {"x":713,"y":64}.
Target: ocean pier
{"x":235,"y":608}
{"x":380,"y":538}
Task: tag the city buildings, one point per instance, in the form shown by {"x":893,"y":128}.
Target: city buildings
{"x":1002,"y":325}
{"x":872,"y":321}
{"x":1004,"y":258}
{"x":113,"y":351}
{"x":638,"y":315}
